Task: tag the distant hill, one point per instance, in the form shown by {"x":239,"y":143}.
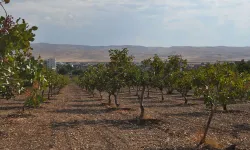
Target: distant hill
{"x":85,"y":53}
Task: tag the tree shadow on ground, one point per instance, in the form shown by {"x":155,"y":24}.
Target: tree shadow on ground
{"x":110,"y":107}
{"x":91,"y":111}
{"x":239,"y":128}
{"x":11,"y":107}
{"x":84,"y":111}
{"x":171,"y":106}
{"x":176,"y":148}
{"x":242,"y":127}
{"x":147,"y":101}
{"x":231,"y":111}
{"x":92,"y":96}
{"x":121,"y":108}
{"x":179,"y":96}
{"x":19,"y":115}
{"x":130,"y":98}
{"x":11,"y":103}
{"x":150,"y":97}
{"x":189,"y":114}
{"x":82,"y":95}
{"x":128,"y":124}
{"x":51,"y":99}
{"x":206,"y":147}
{"x":87,"y":105}
{"x":127,"y":94}
{"x":196,"y":99}
{"x":89,"y":100}
{"x":18,"y":100}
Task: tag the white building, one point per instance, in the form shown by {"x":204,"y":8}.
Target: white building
{"x":51,"y":63}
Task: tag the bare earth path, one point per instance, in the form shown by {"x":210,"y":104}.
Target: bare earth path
{"x":73,"y":120}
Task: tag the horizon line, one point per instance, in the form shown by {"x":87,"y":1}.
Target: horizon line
{"x":133,"y":45}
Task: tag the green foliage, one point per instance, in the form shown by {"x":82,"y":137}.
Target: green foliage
{"x":118,"y":69}
{"x":67,"y":69}
{"x":183,"y":82}
{"x":63,"y":71}
{"x":175,"y":63}
{"x":144,"y":77}
{"x":219,"y":84}
{"x":135,"y":76}
{"x":15,"y":55}
{"x":243,"y":66}
{"x":95,"y":78}
{"x":111,"y":77}
{"x":18,"y":68}
{"x":55,"y":80}
{"x":157,"y":68}
{"x":77,"y":72}
{"x":20,"y":72}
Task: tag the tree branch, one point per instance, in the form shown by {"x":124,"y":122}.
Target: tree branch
{"x":4,"y":9}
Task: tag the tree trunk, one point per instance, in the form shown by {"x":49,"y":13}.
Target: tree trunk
{"x":203,"y":139}
{"x":129,"y":90}
{"x":141,"y":104}
{"x":162,"y":97}
{"x":49,"y":93}
{"x":204,"y":95}
{"x":225,"y":107}
{"x":148,"y":91}
{"x":170,"y":91}
{"x":137,"y":89}
{"x":42,"y":93}
{"x":109,"y":99}
{"x":186,"y":101}
{"x":116,"y":102}
{"x":100,"y":95}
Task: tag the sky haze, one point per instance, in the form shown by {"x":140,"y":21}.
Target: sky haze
{"x":137,"y":22}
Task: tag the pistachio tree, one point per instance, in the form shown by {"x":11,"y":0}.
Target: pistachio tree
{"x":100,"y":78}
{"x":157,"y":67}
{"x":88,"y":79}
{"x":146,"y":65}
{"x":144,"y":80}
{"x":183,"y":82}
{"x":18,"y":69}
{"x":172,"y":64}
{"x":217,"y":84}
{"x":120,"y":63}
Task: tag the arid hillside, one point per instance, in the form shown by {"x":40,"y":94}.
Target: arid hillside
{"x":84,"y":53}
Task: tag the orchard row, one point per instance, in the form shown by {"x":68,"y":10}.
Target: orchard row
{"x":218,"y":84}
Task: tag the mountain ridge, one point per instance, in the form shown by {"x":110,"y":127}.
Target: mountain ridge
{"x":87,"y":53}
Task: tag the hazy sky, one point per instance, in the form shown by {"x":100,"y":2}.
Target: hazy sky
{"x":138,"y":22}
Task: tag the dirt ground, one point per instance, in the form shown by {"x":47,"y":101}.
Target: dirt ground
{"x":75,"y":120}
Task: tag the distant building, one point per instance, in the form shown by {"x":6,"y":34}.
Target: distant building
{"x":51,"y":63}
